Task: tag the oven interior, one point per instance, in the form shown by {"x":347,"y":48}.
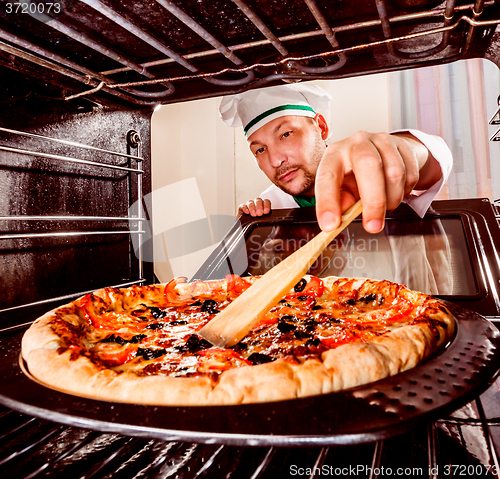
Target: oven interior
{"x":80,"y":54}
{"x":79,"y":85}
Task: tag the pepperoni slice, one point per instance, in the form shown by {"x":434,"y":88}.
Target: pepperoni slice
{"x":313,"y":287}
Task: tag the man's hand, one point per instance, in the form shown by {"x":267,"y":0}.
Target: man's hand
{"x":378,"y":168}
{"x":256,"y":207}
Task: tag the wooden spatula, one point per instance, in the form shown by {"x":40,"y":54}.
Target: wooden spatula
{"x":234,"y":322}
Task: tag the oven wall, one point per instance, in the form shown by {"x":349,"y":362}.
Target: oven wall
{"x":191,"y":142}
{"x":43,"y":258}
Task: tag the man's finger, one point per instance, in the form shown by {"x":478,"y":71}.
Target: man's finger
{"x":369,"y":173}
{"x":329,"y":179}
{"x":394,"y":169}
{"x":267,"y":206}
{"x":259,"y":206}
{"x":242,"y":210}
{"x":251,"y":207}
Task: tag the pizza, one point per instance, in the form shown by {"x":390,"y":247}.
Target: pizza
{"x":140,"y":344}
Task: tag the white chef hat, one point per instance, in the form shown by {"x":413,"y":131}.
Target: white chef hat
{"x":254,"y":108}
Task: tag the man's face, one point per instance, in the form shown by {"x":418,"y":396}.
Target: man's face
{"x":288,"y":150}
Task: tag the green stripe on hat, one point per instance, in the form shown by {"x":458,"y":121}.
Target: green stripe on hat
{"x":274,"y":110}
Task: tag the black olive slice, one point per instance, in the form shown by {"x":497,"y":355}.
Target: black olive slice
{"x":194,"y":344}
{"x":137,"y":338}
{"x":151,"y":353}
{"x":114,"y":339}
{"x":303,"y":335}
{"x":119,"y":340}
{"x":157,"y":313}
{"x":259,"y":358}
{"x":286,"y":327}
{"x":300,"y":286}
{"x":179,"y":322}
{"x":209,"y":306}
{"x":154,"y":326}
{"x":241,"y":347}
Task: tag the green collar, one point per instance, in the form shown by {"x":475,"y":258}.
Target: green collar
{"x":304,"y":202}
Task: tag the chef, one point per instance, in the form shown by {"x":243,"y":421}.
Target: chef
{"x":287,"y":135}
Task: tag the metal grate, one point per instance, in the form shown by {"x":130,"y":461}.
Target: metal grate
{"x":157,"y":52}
{"x":464,"y":444}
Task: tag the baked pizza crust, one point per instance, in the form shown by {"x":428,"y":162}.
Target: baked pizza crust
{"x":344,"y":367}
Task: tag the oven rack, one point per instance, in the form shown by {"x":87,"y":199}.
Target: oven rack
{"x":33,"y":448}
{"x":233,"y":64}
{"x":135,"y":222}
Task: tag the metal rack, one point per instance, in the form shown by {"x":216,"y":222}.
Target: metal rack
{"x":135,"y":222}
{"x":463,"y":444}
{"x":161,"y":73}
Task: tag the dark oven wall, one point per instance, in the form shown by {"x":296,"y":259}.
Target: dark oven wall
{"x":64,"y":219}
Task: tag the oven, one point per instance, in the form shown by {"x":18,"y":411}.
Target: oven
{"x":80,"y":81}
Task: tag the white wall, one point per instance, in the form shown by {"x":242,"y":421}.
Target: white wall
{"x":189,"y":140}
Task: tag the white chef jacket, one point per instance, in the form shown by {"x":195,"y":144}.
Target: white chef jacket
{"x":419,"y":203}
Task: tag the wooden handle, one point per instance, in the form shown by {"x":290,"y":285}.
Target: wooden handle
{"x":235,"y":322}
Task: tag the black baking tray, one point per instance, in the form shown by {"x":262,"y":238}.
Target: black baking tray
{"x":364,"y":414}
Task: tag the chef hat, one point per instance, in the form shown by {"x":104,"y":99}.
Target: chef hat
{"x":254,"y":108}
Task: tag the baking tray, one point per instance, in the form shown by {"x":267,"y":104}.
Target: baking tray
{"x":364,"y":414}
